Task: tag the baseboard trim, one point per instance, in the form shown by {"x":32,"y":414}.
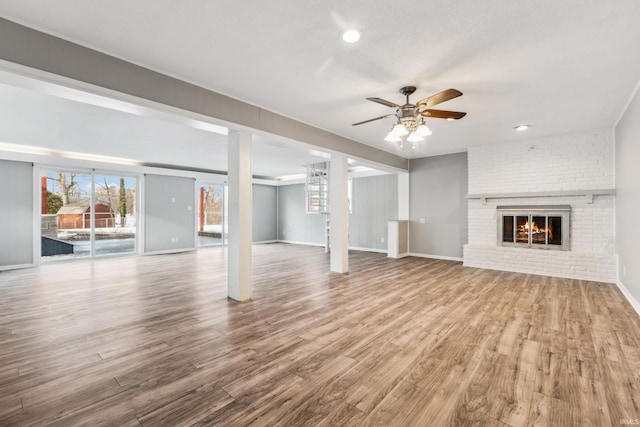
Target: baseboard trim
{"x":292,"y":242}
{"x":16,"y":267}
{"x":403,"y":255}
{"x":264,"y":242}
{"x":351,"y":248}
{"x":444,"y":258}
{"x":355,"y":248}
{"x":634,"y":303}
{"x":169,"y":251}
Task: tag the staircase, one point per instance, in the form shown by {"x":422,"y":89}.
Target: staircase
{"x":317,"y":188}
{"x":316,"y":194}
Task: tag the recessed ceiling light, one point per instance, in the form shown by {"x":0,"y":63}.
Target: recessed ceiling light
{"x":521,"y":128}
{"x":450,"y":119}
{"x":350,"y":36}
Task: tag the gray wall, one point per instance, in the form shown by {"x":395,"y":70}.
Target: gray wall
{"x":169,"y":218}
{"x":627,"y":140}
{"x":293,"y":224}
{"x":374,"y":202}
{"x":437,"y":193}
{"x":16,"y":214}
{"x":265,"y":213}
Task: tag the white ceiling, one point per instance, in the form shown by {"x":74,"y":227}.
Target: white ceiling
{"x":561,"y":66}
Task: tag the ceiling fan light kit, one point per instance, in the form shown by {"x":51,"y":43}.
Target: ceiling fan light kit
{"x":410,"y":117}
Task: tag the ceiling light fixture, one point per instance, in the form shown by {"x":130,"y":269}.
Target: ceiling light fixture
{"x":414,"y":127}
{"x":410,"y":117}
{"x":350,"y":36}
{"x":521,"y":128}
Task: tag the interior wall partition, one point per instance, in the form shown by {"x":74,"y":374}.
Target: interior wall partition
{"x":16,"y":214}
{"x":169,"y":214}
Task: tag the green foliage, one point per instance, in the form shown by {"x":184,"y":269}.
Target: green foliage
{"x":54,"y":202}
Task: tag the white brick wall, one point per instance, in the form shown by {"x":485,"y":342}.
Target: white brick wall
{"x":570,"y":264}
{"x":562,"y":163}
{"x":566,"y":162}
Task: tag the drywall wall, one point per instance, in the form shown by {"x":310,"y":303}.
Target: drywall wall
{"x":627,"y":173}
{"x":265,"y":213}
{"x":438,"y":205}
{"x":374,"y":201}
{"x":293,"y":224}
{"x":169,"y":213}
{"x":16,"y":214}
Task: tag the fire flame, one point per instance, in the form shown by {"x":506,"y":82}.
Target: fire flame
{"x":535,"y":229}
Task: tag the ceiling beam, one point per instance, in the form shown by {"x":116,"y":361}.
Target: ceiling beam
{"x":37,"y":50}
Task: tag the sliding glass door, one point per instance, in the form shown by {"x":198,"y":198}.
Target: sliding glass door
{"x":114,"y":214}
{"x":87,"y":214}
{"x":65,"y":217}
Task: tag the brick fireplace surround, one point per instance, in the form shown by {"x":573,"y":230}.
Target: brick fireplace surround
{"x":575,"y":170}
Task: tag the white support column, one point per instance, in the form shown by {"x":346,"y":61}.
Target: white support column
{"x":240,"y":221}
{"x":403,"y":196}
{"x":403,"y":238}
{"x":339,"y":211}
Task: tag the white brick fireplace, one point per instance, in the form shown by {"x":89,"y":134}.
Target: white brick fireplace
{"x":574,"y":170}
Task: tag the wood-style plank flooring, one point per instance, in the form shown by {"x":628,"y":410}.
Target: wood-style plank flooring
{"x":154,"y":341}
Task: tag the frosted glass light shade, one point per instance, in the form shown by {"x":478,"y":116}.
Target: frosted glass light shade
{"x":423,"y":130}
{"x":392,"y":137}
{"x":400,"y":130}
{"x":414,"y":137}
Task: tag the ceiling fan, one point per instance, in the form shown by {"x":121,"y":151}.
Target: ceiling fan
{"x":411,"y":116}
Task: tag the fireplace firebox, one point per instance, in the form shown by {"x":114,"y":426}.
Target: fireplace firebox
{"x":544,"y":227}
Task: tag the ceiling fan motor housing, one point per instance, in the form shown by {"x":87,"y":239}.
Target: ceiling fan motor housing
{"x":407,"y":115}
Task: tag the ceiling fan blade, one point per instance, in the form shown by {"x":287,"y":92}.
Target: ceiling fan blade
{"x":438,"y":98}
{"x":372,"y":120}
{"x":384,"y":102}
{"x":442,"y":114}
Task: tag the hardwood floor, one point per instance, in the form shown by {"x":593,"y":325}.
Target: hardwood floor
{"x":154,"y":341}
